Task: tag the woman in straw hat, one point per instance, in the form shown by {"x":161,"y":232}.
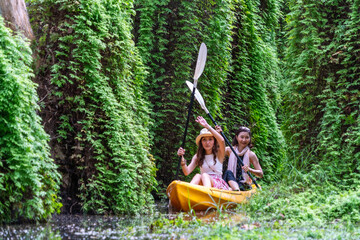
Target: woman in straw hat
{"x":209,"y":157}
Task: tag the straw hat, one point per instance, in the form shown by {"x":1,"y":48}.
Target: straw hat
{"x":203,"y":133}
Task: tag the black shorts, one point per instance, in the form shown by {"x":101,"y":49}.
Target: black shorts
{"x":229,"y":176}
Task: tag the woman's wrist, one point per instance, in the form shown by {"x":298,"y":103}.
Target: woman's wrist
{"x":183,"y":161}
{"x":255,"y":172}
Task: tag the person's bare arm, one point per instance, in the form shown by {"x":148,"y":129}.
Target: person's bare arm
{"x":187,"y":169}
{"x":219,"y":138}
{"x":257,"y":170}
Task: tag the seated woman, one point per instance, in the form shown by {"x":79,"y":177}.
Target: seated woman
{"x":237,"y":176}
{"x":209,"y":157}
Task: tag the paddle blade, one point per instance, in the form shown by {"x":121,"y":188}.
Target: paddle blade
{"x":198,"y":96}
{"x":200,"y":64}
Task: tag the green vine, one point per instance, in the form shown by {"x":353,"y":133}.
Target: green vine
{"x":253,"y":96}
{"x":322,"y":97}
{"x":169,"y":34}
{"x":96,"y":81}
{"x":29,"y":181}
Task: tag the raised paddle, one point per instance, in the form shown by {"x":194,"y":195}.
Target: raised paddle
{"x":201,"y":101}
{"x":200,"y":65}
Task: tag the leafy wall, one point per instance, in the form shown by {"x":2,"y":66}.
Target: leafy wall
{"x":252,"y":96}
{"x":29,"y":181}
{"x":241,"y":54}
{"x":116,"y":112}
{"x":322,"y":95}
{"x":91,"y":77}
{"x":168,"y":35}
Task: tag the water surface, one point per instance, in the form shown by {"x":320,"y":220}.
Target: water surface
{"x":101,"y":227}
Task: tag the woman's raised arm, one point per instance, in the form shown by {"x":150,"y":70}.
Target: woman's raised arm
{"x":219,"y":138}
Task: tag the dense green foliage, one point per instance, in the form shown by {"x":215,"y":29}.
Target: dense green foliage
{"x":253,"y":97}
{"x":277,"y":212}
{"x":168,"y":37}
{"x":111,"y":77}
{"x":319,"y":205}
{"x":240,"y":45}
{"x":322,"y":96}
{"x":29,"y":181}
{"x":97,"y":115}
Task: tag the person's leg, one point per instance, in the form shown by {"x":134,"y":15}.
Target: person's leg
{"x":196,"y":179}
{"x":234,"y":185}
{"x":230,"y":179}
{"x":206,"y":180}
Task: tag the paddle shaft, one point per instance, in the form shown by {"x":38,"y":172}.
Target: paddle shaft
{"x":233,"y":150}
{"x":186,"y":127}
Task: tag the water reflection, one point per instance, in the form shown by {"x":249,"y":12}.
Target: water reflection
{"x":103,"y":227}
{"x":212,"y":215}
{"x":77,"y":227}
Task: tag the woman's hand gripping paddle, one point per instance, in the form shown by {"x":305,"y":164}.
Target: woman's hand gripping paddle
{"x":201,"y":101}
{"x":200,"y":65}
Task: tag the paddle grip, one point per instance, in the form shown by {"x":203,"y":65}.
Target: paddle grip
{"x":185,"y":133}
{"x":233,"y":150}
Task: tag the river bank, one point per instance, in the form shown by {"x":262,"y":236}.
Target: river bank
{"x":226,"y":225}
{"x":275,"y":213}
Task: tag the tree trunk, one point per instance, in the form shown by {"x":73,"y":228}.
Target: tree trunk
{"x":16,"y":17}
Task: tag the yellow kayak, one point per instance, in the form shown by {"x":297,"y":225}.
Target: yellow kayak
{"x":185,"y":196}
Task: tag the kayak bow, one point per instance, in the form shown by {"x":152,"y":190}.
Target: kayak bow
{"x":185,"y":196}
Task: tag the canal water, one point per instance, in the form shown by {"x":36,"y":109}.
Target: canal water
{"x":98,"y":227}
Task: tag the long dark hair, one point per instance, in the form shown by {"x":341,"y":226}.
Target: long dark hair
{"x":237,"y":132}
{"x":200,"y":154}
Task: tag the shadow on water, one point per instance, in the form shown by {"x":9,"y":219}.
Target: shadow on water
{"x":100,"y":227}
